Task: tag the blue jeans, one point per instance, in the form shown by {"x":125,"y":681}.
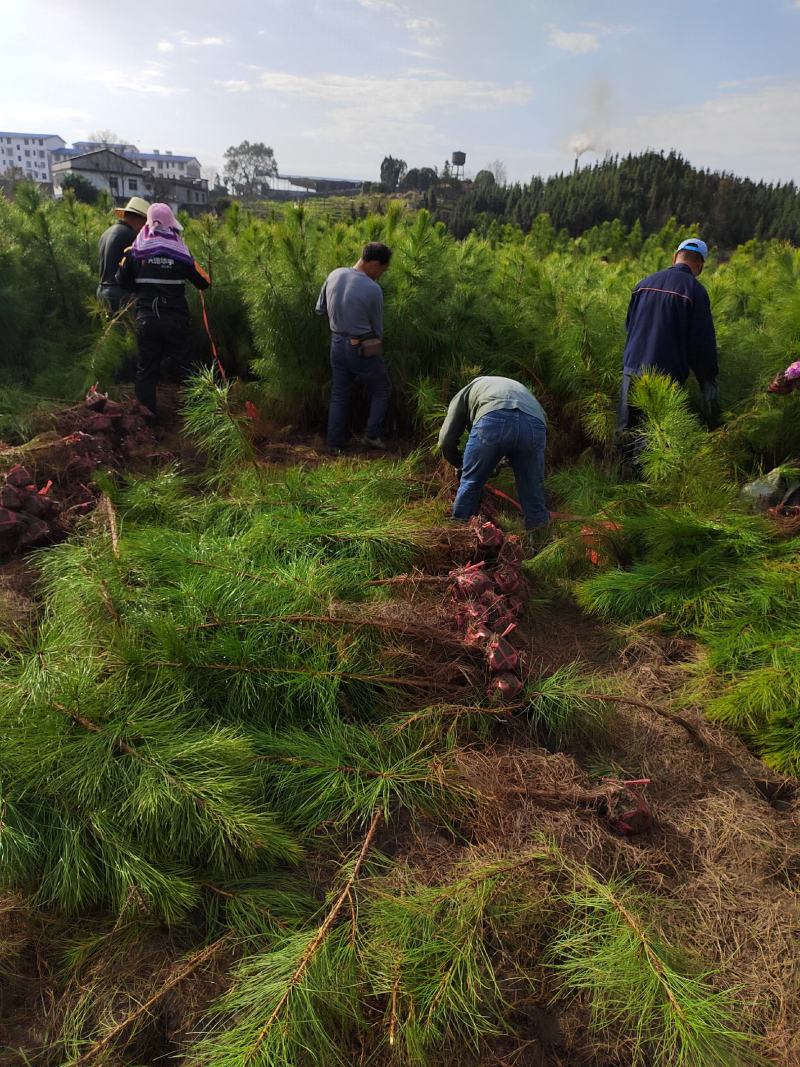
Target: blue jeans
{"x":348,"y":367}
{"x":522,"y":439}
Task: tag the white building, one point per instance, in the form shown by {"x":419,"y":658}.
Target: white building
{"x":162,"y":164}
{"x":107,"y":171}
{"x":121,"y":177}
{"x":29,"y":155}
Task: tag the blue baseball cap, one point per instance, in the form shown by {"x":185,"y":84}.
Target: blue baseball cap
{"x":694,"y":244}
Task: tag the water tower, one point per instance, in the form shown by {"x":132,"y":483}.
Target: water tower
{"x":457,"y":161}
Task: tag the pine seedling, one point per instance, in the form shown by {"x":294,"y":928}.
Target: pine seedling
{"x":678,"y":458}
{"x":112,"y":345}
{"x":296,"y":1003}
{"x":565,"y":706}
{"x":340,"y":774}
{"x":636,"y":982}
{"x":293,"y":1005}
{"x":209,"y":419}
{"x":433,"y":954}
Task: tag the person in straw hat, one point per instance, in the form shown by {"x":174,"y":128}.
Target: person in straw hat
{"x":113,"y":243}
{"x":155,"y":269}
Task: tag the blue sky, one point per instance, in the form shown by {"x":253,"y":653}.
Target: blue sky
{"x":334,"y":85}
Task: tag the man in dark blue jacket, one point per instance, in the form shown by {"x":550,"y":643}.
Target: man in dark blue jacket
{"x":670,"y":329}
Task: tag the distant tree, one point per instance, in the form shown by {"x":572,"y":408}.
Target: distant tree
{"x":162,"y":189}
{"x":392,"y":172}
{"x":643,"y":191}
{"x":106,"y":137}
{"x":248,"y":166}
{"x":485,"y":177}
{"x":81,"y":188}
{"x":420,"y":179}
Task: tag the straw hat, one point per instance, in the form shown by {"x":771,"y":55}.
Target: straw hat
{"x":136,"y":205}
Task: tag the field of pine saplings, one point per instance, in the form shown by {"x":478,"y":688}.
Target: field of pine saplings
{"x":294,"y":771}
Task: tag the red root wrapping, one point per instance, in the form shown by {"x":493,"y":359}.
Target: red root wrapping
{"x":636,"y":821}
{"x":9,"y":523}
{"x":501,"y":655}
{"x":468,"y":614}
{"x":628,"y":811}
{"x":488,"y":535}
{"x":131,"y":423}
{"x":478,"y":635}
{"x":504,"y":688}
{"x":592,"y":537}
{"x":512,"y":552}
{"x":10,"y":497}
{"x":501,"y":611}
{"x":470,"y":581}
{"x":98,"y":423}
{"x":507,"y":579}
{"x":36,"y":534}
{"x":19,"y":476}
{"x":38,"y":506}
{"x":95,"y":400}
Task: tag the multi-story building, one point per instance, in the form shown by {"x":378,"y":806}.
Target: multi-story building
{"x":162,"y":164}
{"x":122,"y":177}
{"x":107,"y":171}
{"x":29,"y":155}
{"x":32,"y":155}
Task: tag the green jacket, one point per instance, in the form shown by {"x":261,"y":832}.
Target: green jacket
{"x":482,"y":395}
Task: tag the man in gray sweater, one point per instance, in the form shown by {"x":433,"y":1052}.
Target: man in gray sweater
{"x":353,"y":302}
{"x":504,"y":419}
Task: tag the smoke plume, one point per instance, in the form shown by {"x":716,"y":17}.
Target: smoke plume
{"x":597,"y":123}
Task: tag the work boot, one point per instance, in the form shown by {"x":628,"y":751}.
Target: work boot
{"x":374,"y":442}
{"x":534,"y":540}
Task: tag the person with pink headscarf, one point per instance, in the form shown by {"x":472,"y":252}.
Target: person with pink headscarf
{"x":787,"y":381}
{"x":155,"y":270}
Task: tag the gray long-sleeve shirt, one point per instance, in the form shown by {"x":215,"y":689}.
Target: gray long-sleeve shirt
{"x":482,"y":395}
{"x":353,"y":303}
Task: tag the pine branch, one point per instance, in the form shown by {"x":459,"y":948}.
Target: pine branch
{"x":319,"y":937}
{"x":111,"y":517}
{"x":129,"y":750}
{"x":420,"y":632}
{"x":374,"y":679}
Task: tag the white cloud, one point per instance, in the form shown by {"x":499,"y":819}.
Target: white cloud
{"x":235,"y":85}
{"x":392,"y":7}
{"x":751,"y":132}
{"x":577,"y":43}
{"x":386,"y":110}
{"x":182,"y":39}
{"x":149,"y":80}
{"x":29,"y":114}
{"x":426,"y":32}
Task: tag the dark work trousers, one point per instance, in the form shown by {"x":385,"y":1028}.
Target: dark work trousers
{"x":160,"y":337}
{"x":521,"y":438}
{"x":629,"y":419}
{"x":113,"y":296}
{"x":348,"y":368}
